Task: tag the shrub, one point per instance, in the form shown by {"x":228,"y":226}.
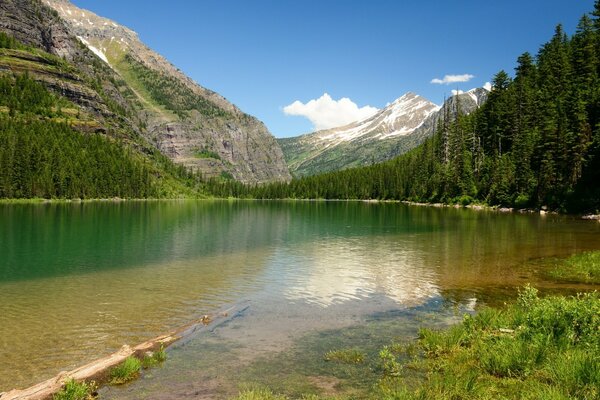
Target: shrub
{"x":465,"y":200}
{"x":522,"y":201}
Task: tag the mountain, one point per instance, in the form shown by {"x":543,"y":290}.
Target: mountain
{"x":193,"y":126}
{"x":67,"y":128}
{"x":395,"y":129}
{"x":533,"y":143}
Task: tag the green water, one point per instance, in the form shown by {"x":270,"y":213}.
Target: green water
{"x":77,"y":281}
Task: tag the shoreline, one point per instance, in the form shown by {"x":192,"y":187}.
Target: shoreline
{"x":475,"y":207}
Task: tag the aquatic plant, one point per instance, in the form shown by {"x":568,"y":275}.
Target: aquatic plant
{"x":126,"y":371}
{"x":389,"y":364}
{"x":152,"y":359}
{"x":259,"y":394}
{"x":346,"y":356}
{"x":74,"y":390}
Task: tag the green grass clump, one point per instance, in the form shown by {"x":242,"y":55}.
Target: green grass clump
{"x":259,"y":394}
{"x":442,"y":342}
{"x":155,"y":358}
{"x":74,"y":390}
{"x":584,"y":268}
{"x":126,"y":371}
{"x":538,"y":348}
{"x":346,"y":356}
{"x":267,"y":394}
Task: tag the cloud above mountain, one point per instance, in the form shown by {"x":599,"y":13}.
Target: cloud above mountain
{"x":448,"y":79}
{"x":325,"y":112}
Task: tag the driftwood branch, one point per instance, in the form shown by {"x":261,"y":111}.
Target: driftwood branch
{"x":98,"y":370}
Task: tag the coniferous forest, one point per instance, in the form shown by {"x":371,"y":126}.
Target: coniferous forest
{"x":42,"y":156}
{"x":535,"y":142}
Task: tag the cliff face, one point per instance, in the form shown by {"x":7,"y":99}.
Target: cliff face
{"x":192,"y":125}
{"x":82,"y":78}
{"x":31,"y":23}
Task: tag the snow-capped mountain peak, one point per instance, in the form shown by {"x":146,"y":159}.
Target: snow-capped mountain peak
{"x":401,"y":117}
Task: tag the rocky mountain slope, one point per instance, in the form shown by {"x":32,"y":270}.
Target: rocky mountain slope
{"x":193,"y":126}
{"x":397,"y":128}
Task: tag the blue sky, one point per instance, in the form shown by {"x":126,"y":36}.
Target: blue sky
{"x":264,"y":55}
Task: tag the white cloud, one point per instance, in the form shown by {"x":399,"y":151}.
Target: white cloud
{"x":325,"y":113}
{"x":487,"y":86}
{"x":455,"y":92}
{"x":448,"y":79}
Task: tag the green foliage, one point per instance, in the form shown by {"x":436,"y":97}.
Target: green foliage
{"x":537,"y":348}
{"x":74,"y":390}
{"x":508,"y":357}
{"x":584,"y":267}
{"x":389,"y":364}
{"x":266,"y":394}
{"x":9,"y":42}
{"x":155,"y":358}
{"x":126,"y":371}
{"x":171,"y":92}
{"x":259,"y":394}
{"x":345,"y":356}
{"x":205,"y":153}
{"x":50,"y":160}
{"x":21,"y":94}
{"x":226,"y":176}
{"x":436,"y":343}
{"x":160,"y":355}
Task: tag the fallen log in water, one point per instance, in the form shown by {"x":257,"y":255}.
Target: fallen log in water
{"x":98,"y":370}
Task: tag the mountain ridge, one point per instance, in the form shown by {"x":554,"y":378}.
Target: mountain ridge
{"x":194,"y":126}
{"x":393,"y":130}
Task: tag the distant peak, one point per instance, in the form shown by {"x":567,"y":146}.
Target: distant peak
{"x":409,"y":98}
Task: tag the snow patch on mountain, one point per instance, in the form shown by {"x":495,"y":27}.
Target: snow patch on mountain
{"x":94,"y":50}
{"x":401,"y":117}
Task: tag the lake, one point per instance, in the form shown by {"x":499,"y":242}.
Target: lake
{"x":79,"y":280}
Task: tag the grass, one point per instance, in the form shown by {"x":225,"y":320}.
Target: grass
{"x":74,"y":390}
{"x":345,"y":356}
{"x":583,"y":268}
{"x":154,"y":358}
{"x":267,"y":394}
{"x":259,"y":394}
{"x":127,"y":371}
{"x":130,"y":369}
{"x":538,"y":348}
